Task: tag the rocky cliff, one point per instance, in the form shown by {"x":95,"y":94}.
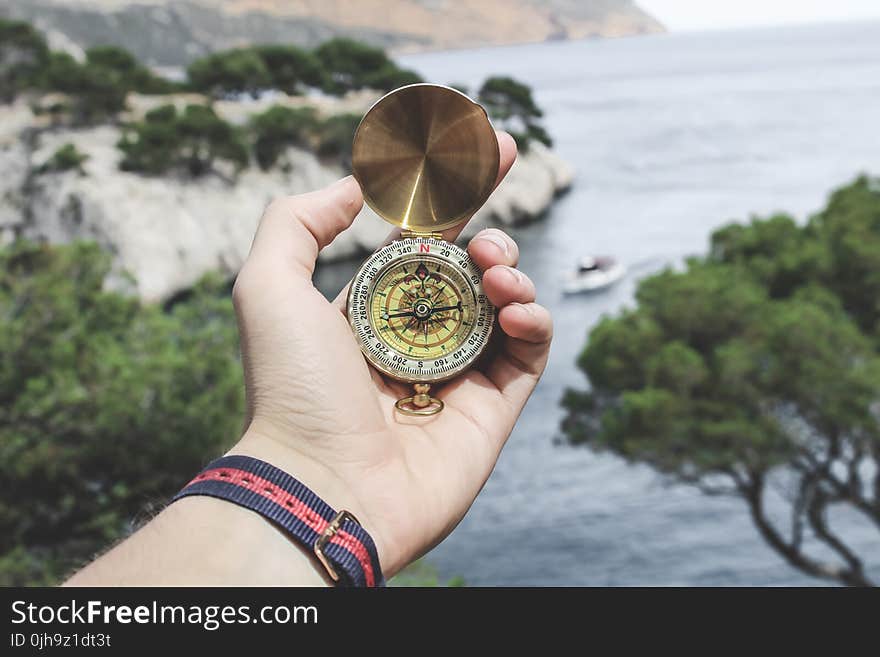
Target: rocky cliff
{"x":167,"y":231}
{"x":172,"y":33}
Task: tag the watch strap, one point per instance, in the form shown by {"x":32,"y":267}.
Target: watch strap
{"x":337,"y":539}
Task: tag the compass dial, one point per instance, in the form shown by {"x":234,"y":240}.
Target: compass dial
{"x":418,"y":310}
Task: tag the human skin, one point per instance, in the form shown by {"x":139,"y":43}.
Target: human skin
{"x":317,"y":410}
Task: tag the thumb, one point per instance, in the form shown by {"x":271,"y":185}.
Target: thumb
{"x":294,"y":229}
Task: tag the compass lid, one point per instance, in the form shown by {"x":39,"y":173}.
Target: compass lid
{"x":426,"y":157}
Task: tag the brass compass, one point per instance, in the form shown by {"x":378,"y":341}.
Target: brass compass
{"x":426,"y":158}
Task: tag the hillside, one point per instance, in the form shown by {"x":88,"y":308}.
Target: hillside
{"x":166,"y":33}
{"x":168,"y":231}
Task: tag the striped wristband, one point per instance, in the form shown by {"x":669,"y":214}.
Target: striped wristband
{"x":337,"y":539}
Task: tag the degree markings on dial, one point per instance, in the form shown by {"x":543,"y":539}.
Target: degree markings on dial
{"x":437,"y":290}
{"x":467,"y":334}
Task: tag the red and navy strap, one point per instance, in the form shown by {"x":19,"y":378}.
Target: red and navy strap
{"x":279,"y":497}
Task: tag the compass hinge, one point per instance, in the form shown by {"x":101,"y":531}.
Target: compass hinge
{"x":407,"y":234}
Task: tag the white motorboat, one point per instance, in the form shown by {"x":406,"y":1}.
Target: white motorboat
{"x":594,"y":274}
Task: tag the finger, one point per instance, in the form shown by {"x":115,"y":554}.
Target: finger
{"x":491,"y":247}
{"x":504,"y":285}
{"x":506,"y":158}
{"x":518,"y":366}
{"x":493,"y":401}
{"x":294,"y":229}
{"x":506,"y":154}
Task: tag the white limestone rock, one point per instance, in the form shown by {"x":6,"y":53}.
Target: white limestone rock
{"x":167,"y":232}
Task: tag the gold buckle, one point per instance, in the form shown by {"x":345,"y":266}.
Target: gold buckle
{"x":327,"y":535}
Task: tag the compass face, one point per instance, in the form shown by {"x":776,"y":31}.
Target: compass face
{"x":418,"y":310}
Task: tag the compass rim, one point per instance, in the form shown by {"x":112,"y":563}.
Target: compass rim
{"x":467,"y":363}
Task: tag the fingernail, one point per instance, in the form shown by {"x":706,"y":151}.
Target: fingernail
{"x":496,"y":237}
{"x":514,"y":274}
{"x":524,"y":308}
{"x":342,"y":181}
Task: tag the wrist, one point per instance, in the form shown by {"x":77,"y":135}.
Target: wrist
{"x":203,"y":541}
{"x":324,"y":480}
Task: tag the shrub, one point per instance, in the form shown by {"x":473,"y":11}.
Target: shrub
{"x":350,"y":65}
{"x":98,"y":86}
{"x":108,"y":406}
{"x":96,"y":93}
{"x":290,"y":69}
{"x":391,"y":77}
{"x":191,"y":141}
{"x":121,"y":64}
{"x":62,"y":73}
{"x":335,"y":136}
{"x":66,"y":158}
{"x":279,"y":127}
{"x":23,"y":55}
{"x":755,"y":371}
{"x":229,"y":73}
{"x":423,"y":574}
{"x":511,"y":104}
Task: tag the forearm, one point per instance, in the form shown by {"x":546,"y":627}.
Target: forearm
{"x":202,"y":540}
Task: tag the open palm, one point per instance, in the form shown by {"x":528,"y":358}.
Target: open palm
{"x":318,"y":410}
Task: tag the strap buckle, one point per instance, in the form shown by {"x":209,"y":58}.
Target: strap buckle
{"x":327,"y":535}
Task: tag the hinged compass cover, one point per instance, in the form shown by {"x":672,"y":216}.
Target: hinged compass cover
{"x":426,"y":157}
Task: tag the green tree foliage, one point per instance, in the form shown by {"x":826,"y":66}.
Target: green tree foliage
{"x":229,"y":73}
{"x":96,"y":93}
{"x":291,"y":69}
{"x":191,"y":141}
{"x":66,"y":158}
{"x":61,"y":73}
{"x":756,"y":367}
{"x":98,"y":86}
{"x":23,"y":55}
{"x":128,"y":73}
{"x":278,"y":128}
{"x":107,"y":406}
{"x":350,"y":65}
{"x":510,"y":103}
{"x":335,"y":137}
{"x":337,"y":66}
{"x":252,"y":70}
{"x":421,"y":574}
{"x":391,"y":77}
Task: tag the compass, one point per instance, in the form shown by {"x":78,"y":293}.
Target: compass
{"x":426,"y":158}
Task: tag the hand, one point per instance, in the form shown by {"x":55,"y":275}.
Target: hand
{"x":318,"y":410}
